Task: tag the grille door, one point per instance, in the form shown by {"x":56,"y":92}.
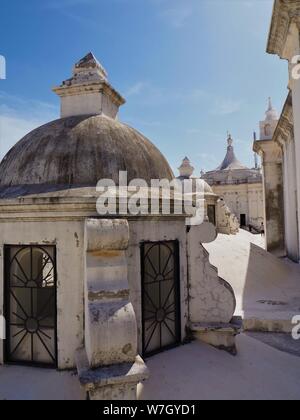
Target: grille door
{"x":160,"y":296}
{"x":30,"y":280}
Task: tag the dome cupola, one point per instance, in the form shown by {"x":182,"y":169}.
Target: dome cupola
{"x":88,"y":91}
{"x":87,"y":144}
{"x":186,"y":170}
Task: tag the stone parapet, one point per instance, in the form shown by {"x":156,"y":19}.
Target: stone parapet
{"x":108,"y":365}
{"x":115,"y":382}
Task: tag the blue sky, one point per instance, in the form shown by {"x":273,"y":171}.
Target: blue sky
{"x":190,"y":69}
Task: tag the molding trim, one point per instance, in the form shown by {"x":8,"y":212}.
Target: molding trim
{"x":285,"y":12}
{"x":285,"y":128}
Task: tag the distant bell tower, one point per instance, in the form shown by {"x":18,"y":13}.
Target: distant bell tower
{"x":268,"y":126}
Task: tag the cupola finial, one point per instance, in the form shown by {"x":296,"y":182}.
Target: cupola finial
{"x":186,"y":170}
{"x":229,"y":139}
{"x":271,"y":113}
{"x":270,"y":104}
{"x":88,"y":91}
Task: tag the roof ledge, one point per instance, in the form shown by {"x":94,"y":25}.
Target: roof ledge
{"x":285,"y":12}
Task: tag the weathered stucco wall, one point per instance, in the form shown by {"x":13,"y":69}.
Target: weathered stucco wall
{"x":274,"y":206}
{"x":244,"y":199}
{"x":227,"y":222}
{"x":273,"y":175}
{"x":290,"y":200}
{"x":68,"y":236}
{"x":92,"y":103}
{"x":212,"y":299}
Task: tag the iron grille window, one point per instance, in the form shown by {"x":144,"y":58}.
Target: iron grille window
{"x":30,"y":304}
{"x":160,"y":296}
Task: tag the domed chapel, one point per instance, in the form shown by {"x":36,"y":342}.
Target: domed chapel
{"x":98,"y":294}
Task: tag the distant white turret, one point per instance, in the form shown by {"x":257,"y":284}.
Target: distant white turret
{"x":186,"y":170}
{"x":271,"y":113}
{"x":268,"y":126}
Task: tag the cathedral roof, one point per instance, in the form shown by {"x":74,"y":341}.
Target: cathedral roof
{"x":81,"y":150}
{"x":230,"y":161}
{"x":87,"y":144}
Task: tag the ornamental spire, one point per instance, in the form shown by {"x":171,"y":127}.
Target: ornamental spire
{"x":229,"y":140}
{"x":270,"y":104}
{"x":271,"y":113}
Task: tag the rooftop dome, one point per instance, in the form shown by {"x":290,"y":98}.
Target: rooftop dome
{"x":207,"y":188}
{"x":186,"y":171}
{"x":87,"y":144}
{"x":81,"y":150}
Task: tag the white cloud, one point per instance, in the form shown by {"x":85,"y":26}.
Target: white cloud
{"x":62,"y":4}
{"x":136,"y":89}
{"x":241,"y":142}
{"x":249,"y":4}
{"x":226,"y":106}
{"x":149,"y":94}
{"x":136,"y":122}
{"x":194,"y":131}
{"x":19,"y":116}
{"x":75,"y":10}
{"x":177,"y":16}
{"x":31,"y":108}
{"x":207,"y":160}
{"x":13,"y":129}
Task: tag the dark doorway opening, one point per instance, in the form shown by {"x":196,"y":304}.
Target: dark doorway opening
{"x":243,"y":220}
{"x":211,"y":213}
